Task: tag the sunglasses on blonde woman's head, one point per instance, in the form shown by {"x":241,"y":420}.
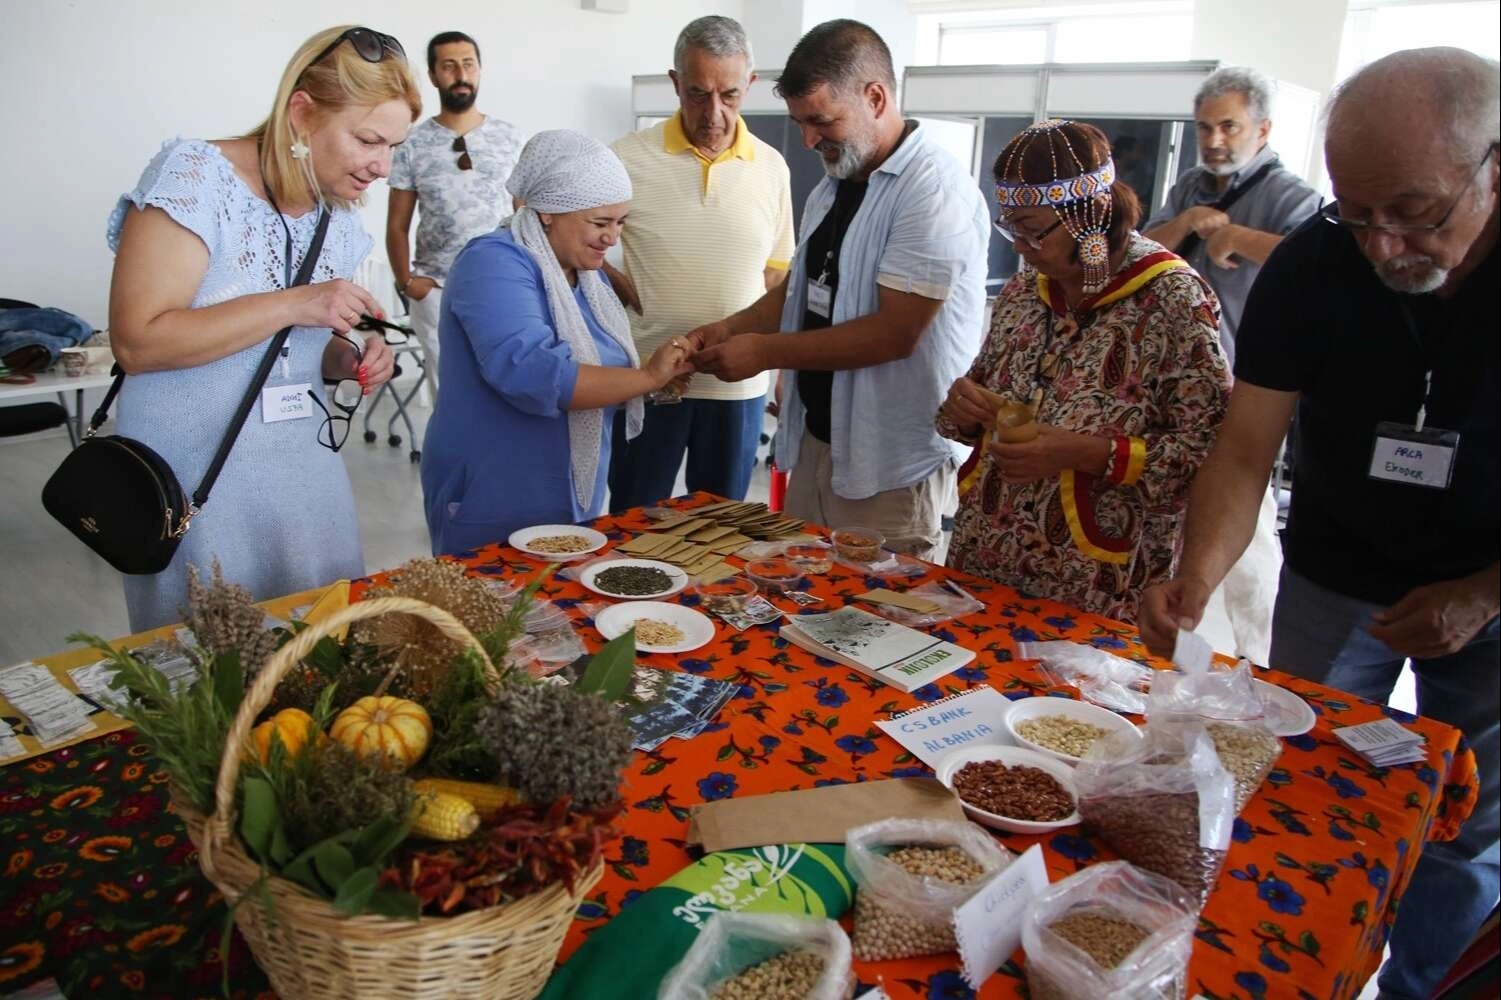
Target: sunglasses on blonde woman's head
{"x":371,"y":45}
{"x":462,"y":148}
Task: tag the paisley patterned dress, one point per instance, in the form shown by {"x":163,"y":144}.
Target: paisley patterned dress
{"x":1139,"y":359}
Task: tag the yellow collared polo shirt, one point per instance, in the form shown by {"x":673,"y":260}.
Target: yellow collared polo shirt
{"x":701,"y":234}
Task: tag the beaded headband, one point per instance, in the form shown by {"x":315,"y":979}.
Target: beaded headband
{"x":1083,"y":203}
{"x":1055,"y":193}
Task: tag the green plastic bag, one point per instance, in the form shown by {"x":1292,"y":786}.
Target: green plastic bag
{"x":628,"y":957}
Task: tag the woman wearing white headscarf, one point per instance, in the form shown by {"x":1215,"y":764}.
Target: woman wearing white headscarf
{"x":536,"y":355}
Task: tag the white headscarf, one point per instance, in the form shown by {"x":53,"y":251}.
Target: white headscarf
{"x":563,"y":171}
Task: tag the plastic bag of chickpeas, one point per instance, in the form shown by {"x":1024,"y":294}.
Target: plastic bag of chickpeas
{"x":910,"y":875}
{"x":763,"y":956}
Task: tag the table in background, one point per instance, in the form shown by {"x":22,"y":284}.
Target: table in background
{"x":105,"y":895}
{"x":55,"y":381}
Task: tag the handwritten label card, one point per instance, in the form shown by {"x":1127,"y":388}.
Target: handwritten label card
{"x":975,"y":718}
{"x":989,"y":926}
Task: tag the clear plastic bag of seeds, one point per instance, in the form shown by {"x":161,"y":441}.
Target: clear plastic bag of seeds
{"x":1225,"y":701}
{"x":1112,"y":930}
{"x":910,"y":875}
{"x":763,"y":956}
{"x":1164,"y":802}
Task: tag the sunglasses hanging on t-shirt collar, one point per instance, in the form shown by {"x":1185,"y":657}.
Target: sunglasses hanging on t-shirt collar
{"x":462,"y":148}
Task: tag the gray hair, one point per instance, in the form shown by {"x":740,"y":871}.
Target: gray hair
{"x":719,"y":36}
{"x":1463,"y":88}
{"x":1251,"y":84}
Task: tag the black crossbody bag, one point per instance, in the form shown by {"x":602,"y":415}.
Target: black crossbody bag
{"x":121,"y":498}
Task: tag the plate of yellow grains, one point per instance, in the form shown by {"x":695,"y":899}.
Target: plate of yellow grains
{"x":557,"y":542}
{"x":1062,"y":728}
{"x":660,"y":627}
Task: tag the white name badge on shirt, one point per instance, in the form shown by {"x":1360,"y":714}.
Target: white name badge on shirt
{"x":820,"y":299}
{"x":286,"y":402}
{"x":1404,"y":454}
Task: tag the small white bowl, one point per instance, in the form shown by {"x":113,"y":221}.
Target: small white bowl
{"x":1011,"y":757}
{"x":1039,"y":706}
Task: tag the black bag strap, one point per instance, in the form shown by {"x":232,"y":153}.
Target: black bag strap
{"x":1192,"y":240}
{"x":200,"y":496}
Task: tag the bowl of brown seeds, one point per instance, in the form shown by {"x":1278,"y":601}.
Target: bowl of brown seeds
{"x":1009,"y":788}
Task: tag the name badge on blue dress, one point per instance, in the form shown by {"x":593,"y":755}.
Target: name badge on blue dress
{"x":1405,"y":454}
{"x":286,"y":402}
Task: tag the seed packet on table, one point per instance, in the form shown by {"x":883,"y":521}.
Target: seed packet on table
{"x":758,"y":611}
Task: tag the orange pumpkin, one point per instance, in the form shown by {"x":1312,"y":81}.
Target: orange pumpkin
{"x":293,"y":724}
{"x":393,"y":728}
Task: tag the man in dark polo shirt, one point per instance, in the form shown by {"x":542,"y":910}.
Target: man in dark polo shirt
{"x":1379,"y":322}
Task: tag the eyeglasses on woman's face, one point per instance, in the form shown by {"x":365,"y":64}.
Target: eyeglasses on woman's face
{"x":1015,"y":235}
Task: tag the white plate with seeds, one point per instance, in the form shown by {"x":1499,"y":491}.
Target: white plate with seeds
{"x":1043,"y":707}
{"x":660,"y":627}
{"x":557,"y":541}
{"x":590,"y":577}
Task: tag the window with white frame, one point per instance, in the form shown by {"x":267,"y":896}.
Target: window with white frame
{"x":1376,"y":28}
{"x":1146,"y":31}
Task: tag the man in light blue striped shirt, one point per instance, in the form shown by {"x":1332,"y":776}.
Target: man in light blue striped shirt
{"x":883,"y":307}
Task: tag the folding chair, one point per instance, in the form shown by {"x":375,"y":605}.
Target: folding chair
{"x":402,"y":344}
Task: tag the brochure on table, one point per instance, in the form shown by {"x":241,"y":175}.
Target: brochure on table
{"x":62,"y":692}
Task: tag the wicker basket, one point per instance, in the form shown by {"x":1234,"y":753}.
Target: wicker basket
{"x":308,"y":949}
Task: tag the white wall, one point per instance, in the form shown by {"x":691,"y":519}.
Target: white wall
{"x":89,"y":89}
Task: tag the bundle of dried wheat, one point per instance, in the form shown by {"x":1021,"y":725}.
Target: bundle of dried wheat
{"x":223,"y":616}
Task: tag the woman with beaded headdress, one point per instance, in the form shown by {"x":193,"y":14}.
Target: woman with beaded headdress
{"x":1096,"y":395}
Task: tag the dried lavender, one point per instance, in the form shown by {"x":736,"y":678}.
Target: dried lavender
{"x":223,"y":616}
{"x":550,"y":740}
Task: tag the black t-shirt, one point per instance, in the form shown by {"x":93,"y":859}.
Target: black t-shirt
{"x":1319,"y":322}
{"x":816,"y":388}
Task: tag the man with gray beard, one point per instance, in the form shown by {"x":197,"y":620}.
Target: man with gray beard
{"x":883,"y":306}
{"x":1379,"y":320}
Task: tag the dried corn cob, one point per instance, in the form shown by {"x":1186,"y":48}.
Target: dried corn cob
{"x":487,"y":799}
{"x":439,"y":816}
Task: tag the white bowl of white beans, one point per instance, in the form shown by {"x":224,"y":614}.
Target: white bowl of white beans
{"x":1062,"y":728}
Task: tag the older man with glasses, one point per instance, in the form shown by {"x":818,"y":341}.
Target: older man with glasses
{"x":1378,"y":321}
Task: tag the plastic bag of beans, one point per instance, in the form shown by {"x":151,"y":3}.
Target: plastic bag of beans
{"x":910,"y":874}
{"x":1163,"y":802}
{"x":1112,"y":930}
{"x":763,"y":956}
{"x":1226,"y":703}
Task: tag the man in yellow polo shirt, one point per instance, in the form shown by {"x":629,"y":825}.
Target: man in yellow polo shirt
{"x":710,"y":231}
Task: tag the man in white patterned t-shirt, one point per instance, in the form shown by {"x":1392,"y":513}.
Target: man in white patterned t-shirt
{"x":452,"y":172}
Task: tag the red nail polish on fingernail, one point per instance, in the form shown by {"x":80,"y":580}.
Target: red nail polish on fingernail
{"x":365,"y":391}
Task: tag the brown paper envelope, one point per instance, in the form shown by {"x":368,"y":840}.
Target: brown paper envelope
{"x":701,"y":564}
{"x":712,"y":533}
{"x":817,"y":815}
{"x":719,"y":571}
{"x":688,"y":555}
{"x":642,"y":544}
{"x":909,"y":601}
{"x":685,"y":528}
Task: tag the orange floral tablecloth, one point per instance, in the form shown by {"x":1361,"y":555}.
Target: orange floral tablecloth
{"x":1318,"y":858}
{"x":101,"y":891}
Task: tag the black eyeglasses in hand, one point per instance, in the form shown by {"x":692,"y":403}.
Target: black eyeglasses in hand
{"x":462,"y":148}
{"x":346,"y":396}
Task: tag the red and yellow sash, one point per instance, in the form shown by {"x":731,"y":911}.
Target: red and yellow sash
{"x":1074,"y":488}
